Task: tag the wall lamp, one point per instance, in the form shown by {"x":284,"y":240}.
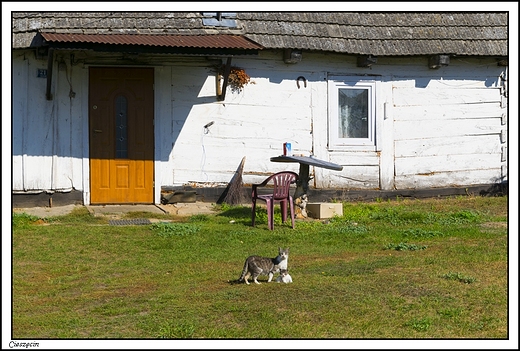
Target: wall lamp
{"x":438,"y":61}
{"x":292,"y":56}
{"x":366,"y":60}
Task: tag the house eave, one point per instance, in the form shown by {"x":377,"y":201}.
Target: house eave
{"x":188,"y":45}
{"x":136,"y":49}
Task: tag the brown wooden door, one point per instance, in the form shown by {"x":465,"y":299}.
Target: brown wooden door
{"x":121,"y":135}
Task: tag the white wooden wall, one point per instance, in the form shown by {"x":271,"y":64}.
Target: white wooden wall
{"x":459,"y":127}
{"x":49,"y":142}
{"x":434,"y":128}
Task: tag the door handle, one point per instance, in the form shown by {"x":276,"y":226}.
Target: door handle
{"x":98,"y":131}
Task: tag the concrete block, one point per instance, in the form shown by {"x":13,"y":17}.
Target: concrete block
{"x":324,"y":210}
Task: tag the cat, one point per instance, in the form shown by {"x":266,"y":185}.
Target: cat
{"x":256,"y":265}
{"x":284,"y":277}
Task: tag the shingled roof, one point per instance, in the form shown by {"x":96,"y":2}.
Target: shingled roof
{"x":380,"y":34}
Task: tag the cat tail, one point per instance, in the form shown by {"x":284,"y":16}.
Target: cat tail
{"x":244,"y":272}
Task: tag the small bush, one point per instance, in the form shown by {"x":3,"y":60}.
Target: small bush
{"x":466,"y":216}
{"x":23,"y":220}
{"x":171,"y":330}
{"x":420,"y":325}
{"x":459,"y":277}
{"x":349,"y":229}
{"x":199,"y":218}
{"x":404,"y":247}
{"x":460,"y":217}
{"x":421,"y":233}
{"x":395,"y":216}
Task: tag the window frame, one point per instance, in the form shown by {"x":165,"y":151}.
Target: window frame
{"x":337,"y":82}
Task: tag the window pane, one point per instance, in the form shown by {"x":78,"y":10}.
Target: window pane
{"x":121,"y":127}
{"x":353,"y":113}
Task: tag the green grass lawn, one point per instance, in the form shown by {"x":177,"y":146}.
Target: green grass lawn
{"x":405,"y":269}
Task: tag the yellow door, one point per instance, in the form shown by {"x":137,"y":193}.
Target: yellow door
{"x":121,"y":135}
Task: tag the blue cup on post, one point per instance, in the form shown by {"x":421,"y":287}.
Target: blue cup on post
{"x":287,"y":149}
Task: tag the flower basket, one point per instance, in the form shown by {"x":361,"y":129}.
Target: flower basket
{"x":238,"y":78}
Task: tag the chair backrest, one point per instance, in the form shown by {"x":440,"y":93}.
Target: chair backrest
{"x":282,"y":182}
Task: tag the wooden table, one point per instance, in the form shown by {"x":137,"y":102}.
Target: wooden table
{"x":305,"y":161}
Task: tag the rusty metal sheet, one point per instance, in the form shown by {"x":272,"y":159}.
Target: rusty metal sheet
{"x":179,"y":41}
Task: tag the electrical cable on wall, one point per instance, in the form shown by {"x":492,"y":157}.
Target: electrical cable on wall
{"x":203,"y":162}
{"x":206,"y":127}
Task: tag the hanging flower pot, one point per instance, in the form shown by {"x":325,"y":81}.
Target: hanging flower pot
{"x":238,"y":78}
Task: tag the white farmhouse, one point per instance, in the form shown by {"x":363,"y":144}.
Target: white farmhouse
{"x":119,"y":107}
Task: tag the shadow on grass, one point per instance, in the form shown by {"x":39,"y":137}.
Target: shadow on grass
{"x":261,"y":280}
{"x":236,"y":212}
{"x":235,"y":282}
{"x":242,"y":215}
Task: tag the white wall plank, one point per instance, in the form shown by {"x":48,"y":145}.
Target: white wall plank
{"x":354,"y":158}
{"x":355,"y":177}
{"x":461,"y":145}
{"x":445,"y":128}
{"x":445,"y":163}
{"x":449,"y":179}
{"x":426,"y":97}
{"x":464,"y":80}
{"x":446,"y":112}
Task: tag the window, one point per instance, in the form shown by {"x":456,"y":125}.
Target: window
{"x":219,"y":19}
{"x":121,"y":127}
{"x":352,"y":112}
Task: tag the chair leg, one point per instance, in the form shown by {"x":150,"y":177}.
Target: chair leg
{"x":253,"y":213}
{"x":291,"y":206}
{"x":283,"y":208}
{"x":270,"y":214}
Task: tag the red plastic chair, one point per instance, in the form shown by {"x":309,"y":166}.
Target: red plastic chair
{"x":281,"y":187}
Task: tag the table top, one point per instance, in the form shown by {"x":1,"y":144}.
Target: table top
{"x":308,"y":160}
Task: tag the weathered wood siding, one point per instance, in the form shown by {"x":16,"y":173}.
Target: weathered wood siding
{"x":252,"y":124}
{"x":434,"y":128}
{"x":49,"y":143}
{"x":449,"y":129}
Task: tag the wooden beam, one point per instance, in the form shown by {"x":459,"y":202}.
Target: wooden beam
{"x":50,"y":62}
{"x":227,"y":70}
